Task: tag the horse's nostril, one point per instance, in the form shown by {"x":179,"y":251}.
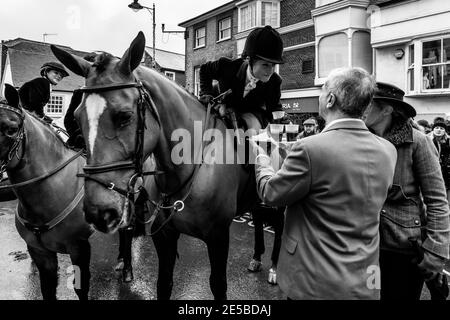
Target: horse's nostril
{"x":110,"y":216}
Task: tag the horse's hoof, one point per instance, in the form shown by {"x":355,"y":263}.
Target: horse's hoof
{"x":127,"y":275}
{"x":119,"y":266}
{"x":272,"y":279}
{"x":254,"y":266}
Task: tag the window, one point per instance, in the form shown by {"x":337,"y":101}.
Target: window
{"x":200,"y":37}
{"x":436,"y":64}
{"x":248,"y":16}
{"x":333,"y":53}
{"x":170,"y":75}
{"x":197,"y":81}
{"x":269,"y":14}
{"x":411,"y":68}
{"x":308,"y":66}
{"x":55,"y":105}
{"x":224,"y":29}
{"x":361,"y":51}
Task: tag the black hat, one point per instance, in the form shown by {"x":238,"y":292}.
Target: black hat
{"x":54,"y":66}
{"x":439,"y":123}
{"x":264,"y":43}
{"x":394,"y":95}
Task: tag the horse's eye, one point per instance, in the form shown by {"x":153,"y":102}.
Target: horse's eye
{"x":123,"y":118}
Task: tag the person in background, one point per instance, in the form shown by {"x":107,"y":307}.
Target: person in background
{"x":426,"y":126}
{"x":256,"y":87}
{"x":310,"y":128}
{"x":35,"y":94}
{"x":334,"y":185}
{"x":441,"y":141}
{"x":415,"y":224}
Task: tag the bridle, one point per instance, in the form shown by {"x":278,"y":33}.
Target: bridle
{"x":136,"y":162}
{"x":14,"y":149}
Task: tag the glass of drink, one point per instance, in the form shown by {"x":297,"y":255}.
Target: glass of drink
{"x":291,"y":132}
{"x":276,"y":131}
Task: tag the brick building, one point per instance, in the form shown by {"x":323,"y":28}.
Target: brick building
{"x":222,"y":32}
{"x":169,"y":63}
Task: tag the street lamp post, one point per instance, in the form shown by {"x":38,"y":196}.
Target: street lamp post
{"x":136,"y":6}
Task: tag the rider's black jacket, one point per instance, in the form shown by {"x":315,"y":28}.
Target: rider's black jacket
{"x":231,"y":74}
{"x":34,"y":95}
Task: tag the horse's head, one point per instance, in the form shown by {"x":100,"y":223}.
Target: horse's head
{"x":11,"y":124}
{"x":113,"y":115}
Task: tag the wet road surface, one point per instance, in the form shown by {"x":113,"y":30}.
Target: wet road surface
{"x":19,"y":278}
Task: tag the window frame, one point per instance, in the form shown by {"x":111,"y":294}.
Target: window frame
{"x":219,"y":30}
{"x":196,"y":38}
{"x":197,"y":81}
{"x":51,"y":105}
{"x":258,"y":4}
{"x":418,"y":67}
{"x":168,"y":74}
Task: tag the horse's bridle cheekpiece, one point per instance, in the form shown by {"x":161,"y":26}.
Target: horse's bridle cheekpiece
{"x":18,"y":140}
{"x":137,"y":160}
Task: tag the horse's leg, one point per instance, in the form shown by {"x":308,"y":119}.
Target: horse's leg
{"x":125,"y":242}
{"x":80,"y":255}
{"x":166,"y":246}
{"x":218,"y":245}
{"x":47,"y":264}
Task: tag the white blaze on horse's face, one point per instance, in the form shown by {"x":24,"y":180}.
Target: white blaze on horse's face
{"x":95,"y":106}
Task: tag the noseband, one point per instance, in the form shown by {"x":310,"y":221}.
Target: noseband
{"x":19,"y":138}
{"x":137,"y":159}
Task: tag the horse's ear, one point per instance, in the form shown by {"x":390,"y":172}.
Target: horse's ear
{"x":76,"y":64}
{"x":133,"y":56}
{"x":11,"y":95}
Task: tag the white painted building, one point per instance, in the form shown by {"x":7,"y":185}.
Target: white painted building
{"x":411,"y":41}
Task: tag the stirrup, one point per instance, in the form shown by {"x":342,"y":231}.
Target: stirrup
{"x":254,"y":266}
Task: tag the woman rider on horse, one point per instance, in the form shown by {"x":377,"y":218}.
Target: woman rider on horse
{"x":256,"y":87}
{"x":35,"y":94}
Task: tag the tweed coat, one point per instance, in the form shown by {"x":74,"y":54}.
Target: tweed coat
{"x":334,"y":185}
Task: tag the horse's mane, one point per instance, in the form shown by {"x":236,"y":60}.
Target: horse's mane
{"x":101,"y":60}
{"x":47,"y":125}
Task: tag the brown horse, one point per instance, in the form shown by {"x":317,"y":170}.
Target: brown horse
{"x":50,"y":215}
{"x":129,"y":112}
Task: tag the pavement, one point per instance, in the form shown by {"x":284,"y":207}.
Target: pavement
{"x":19,"y":278}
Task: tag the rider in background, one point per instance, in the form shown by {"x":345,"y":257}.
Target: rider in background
{"x":35,"y":94}
{"x":256,"y":87}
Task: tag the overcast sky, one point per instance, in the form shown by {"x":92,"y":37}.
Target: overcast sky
{"x":107,"y":25}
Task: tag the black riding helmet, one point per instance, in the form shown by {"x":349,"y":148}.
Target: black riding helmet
{"x":53,"y":66}
{"x":264,"y":43}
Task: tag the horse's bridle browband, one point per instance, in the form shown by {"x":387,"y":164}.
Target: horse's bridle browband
{"x":19,"y":138}
{"x":137,"y":160}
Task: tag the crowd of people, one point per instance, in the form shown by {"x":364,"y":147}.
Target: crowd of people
{"x":364,"y":202}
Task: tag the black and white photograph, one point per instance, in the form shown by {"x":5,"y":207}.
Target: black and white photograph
{"x":231,"y":156}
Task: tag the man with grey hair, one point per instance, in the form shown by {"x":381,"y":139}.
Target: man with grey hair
{"x":334,"y":185}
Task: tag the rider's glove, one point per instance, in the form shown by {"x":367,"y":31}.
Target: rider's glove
{"x":205,"y":99}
